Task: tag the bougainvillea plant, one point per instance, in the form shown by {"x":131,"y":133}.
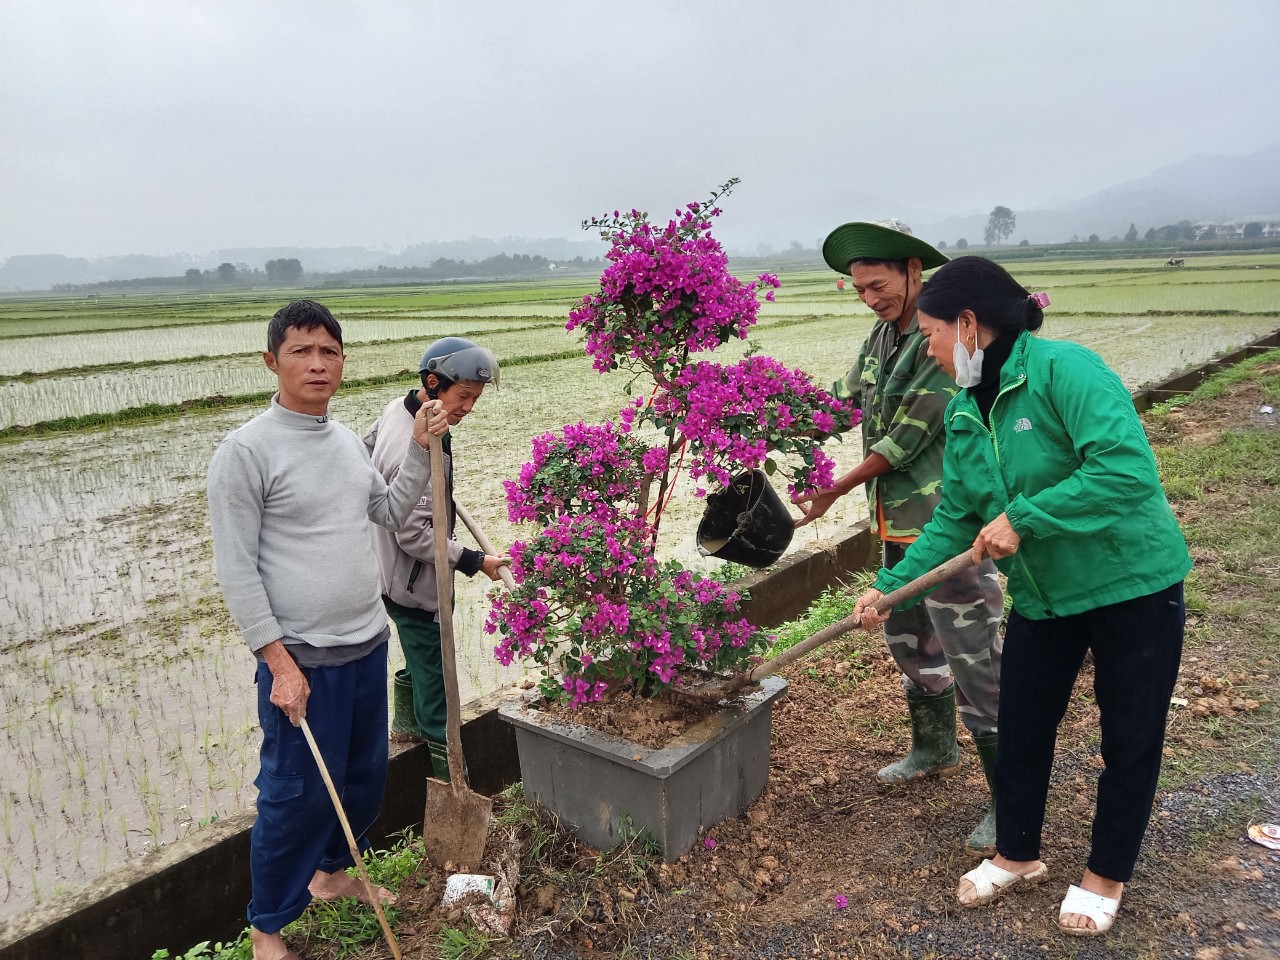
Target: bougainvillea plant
{"x":593,"y":606}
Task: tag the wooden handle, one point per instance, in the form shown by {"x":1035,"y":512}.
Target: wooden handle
{"x":886,"y":603}
{"x":484,"y":542}
{"x":927,"y":581}
{"x":351,"y":839}
{"x":444,"y":607}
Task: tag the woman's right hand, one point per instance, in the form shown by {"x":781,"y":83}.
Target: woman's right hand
{"x":865,"y":609}
{"x":996,"y":540}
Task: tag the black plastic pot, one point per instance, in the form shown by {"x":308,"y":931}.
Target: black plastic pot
{"x":747,"y":522}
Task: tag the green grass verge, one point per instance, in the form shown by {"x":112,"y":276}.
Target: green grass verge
{"x":833,"y":606}
{"x":346,"y":927}
{"x":1220,"y":383}
{"x":1227,"y":489}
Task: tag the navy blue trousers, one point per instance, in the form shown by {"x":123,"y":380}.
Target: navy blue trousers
{"x":1136,"y":647}
{"x":297,"y":831}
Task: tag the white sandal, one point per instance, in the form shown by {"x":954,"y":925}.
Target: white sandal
{"x":990,"y":882}
{"x":1101,"y":910}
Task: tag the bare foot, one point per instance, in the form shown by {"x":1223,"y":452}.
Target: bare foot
{"x":1094,"y":884}
{"x":339,"y":884}
{"x":268,"y":946}
{"x":967,"y":893}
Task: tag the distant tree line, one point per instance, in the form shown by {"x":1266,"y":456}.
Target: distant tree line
{"x":288,"y":271}
{"x":239,"y":275}
{"x":1186,"y":230}
{"x":500,"y":266}
{"x":1002,"y":221}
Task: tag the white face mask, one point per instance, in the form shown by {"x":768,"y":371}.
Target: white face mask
{"x":968,"y":368}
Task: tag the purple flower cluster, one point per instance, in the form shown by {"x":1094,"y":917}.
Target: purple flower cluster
{"x":577,"y":469}
{"x":592,"y":603}
{"x":580,"y":691}
{"x":734,"y":417}
{"x":666,"y":293}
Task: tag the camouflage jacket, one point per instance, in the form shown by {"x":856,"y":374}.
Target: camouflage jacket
{"x":903,"y":394}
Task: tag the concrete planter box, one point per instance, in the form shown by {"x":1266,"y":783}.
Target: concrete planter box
{"x":589,"y":779}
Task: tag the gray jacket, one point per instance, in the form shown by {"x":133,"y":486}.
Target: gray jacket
{"x":406,"y":558}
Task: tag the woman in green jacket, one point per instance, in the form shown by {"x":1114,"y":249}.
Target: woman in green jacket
{"x":1048,"y":471}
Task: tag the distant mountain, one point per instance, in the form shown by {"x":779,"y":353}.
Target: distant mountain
{"x":1202,"y":187}
{"x":1221,"y":188}
{"x":42,"y":270}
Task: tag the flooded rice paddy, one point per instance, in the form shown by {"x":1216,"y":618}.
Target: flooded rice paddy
{"x":128,"y":711}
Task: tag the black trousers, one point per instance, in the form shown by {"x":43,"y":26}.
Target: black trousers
{"x":1136,"y":647}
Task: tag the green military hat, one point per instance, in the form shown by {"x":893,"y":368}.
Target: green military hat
{"x":886,"y":240}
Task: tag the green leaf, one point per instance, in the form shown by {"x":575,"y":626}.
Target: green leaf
{"x":770,"y":468}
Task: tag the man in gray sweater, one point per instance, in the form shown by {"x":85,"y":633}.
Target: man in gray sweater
{"x":291,"y":494}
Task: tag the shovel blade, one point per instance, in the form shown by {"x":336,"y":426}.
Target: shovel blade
{"x":456,"y":824}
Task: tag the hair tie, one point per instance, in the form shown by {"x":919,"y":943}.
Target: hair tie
{"x":1041,"y":299}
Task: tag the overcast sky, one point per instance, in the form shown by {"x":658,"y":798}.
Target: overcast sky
{"x":160,"y":126}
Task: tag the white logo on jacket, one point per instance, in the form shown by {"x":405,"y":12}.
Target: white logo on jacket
{"x":1022,"y":424}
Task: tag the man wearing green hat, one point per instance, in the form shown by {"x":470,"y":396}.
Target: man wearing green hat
{"x":948,"y":647}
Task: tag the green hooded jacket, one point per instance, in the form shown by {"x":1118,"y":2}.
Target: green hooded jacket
{"x":1067,"y":461}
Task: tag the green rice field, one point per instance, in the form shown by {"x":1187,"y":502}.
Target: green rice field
{"x":129,"y":716}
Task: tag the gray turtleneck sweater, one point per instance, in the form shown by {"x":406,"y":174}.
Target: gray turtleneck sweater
{"x":290,"y":497}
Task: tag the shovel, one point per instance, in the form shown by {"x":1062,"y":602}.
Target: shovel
{"x":456,"y":822}
{"x":913,"y":589}
{"x":483,"y":542}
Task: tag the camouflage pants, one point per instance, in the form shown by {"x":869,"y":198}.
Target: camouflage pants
{"x":954,"y":635}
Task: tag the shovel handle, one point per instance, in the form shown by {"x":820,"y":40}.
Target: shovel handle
{"x":483,"y":542}
{"x":444,"y":608}
{"x":351,"y":839}
{"x":919,"y":585}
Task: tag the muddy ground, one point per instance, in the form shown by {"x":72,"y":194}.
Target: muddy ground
{"x":824,"y":829}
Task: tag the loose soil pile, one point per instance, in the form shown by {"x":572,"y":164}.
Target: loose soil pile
{"x":829,"y":864}
{"x":624,"y":713}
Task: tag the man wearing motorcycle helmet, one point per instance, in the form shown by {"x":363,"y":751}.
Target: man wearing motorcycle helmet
{"x":454,"y":371}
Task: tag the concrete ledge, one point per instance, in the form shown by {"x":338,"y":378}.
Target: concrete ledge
{"x":197,"y":888}
{"x":196,"y":884}
{"x":1184,"y":383}
{"x":784,"y":591}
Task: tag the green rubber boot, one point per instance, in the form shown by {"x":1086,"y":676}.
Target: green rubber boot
{"x":982,"y":842}
{"x":934,"y":751}
{"x":404,"y":725}
{"x":439,"y":753}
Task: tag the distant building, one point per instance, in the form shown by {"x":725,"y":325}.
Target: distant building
{"x":1234,"y":229}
